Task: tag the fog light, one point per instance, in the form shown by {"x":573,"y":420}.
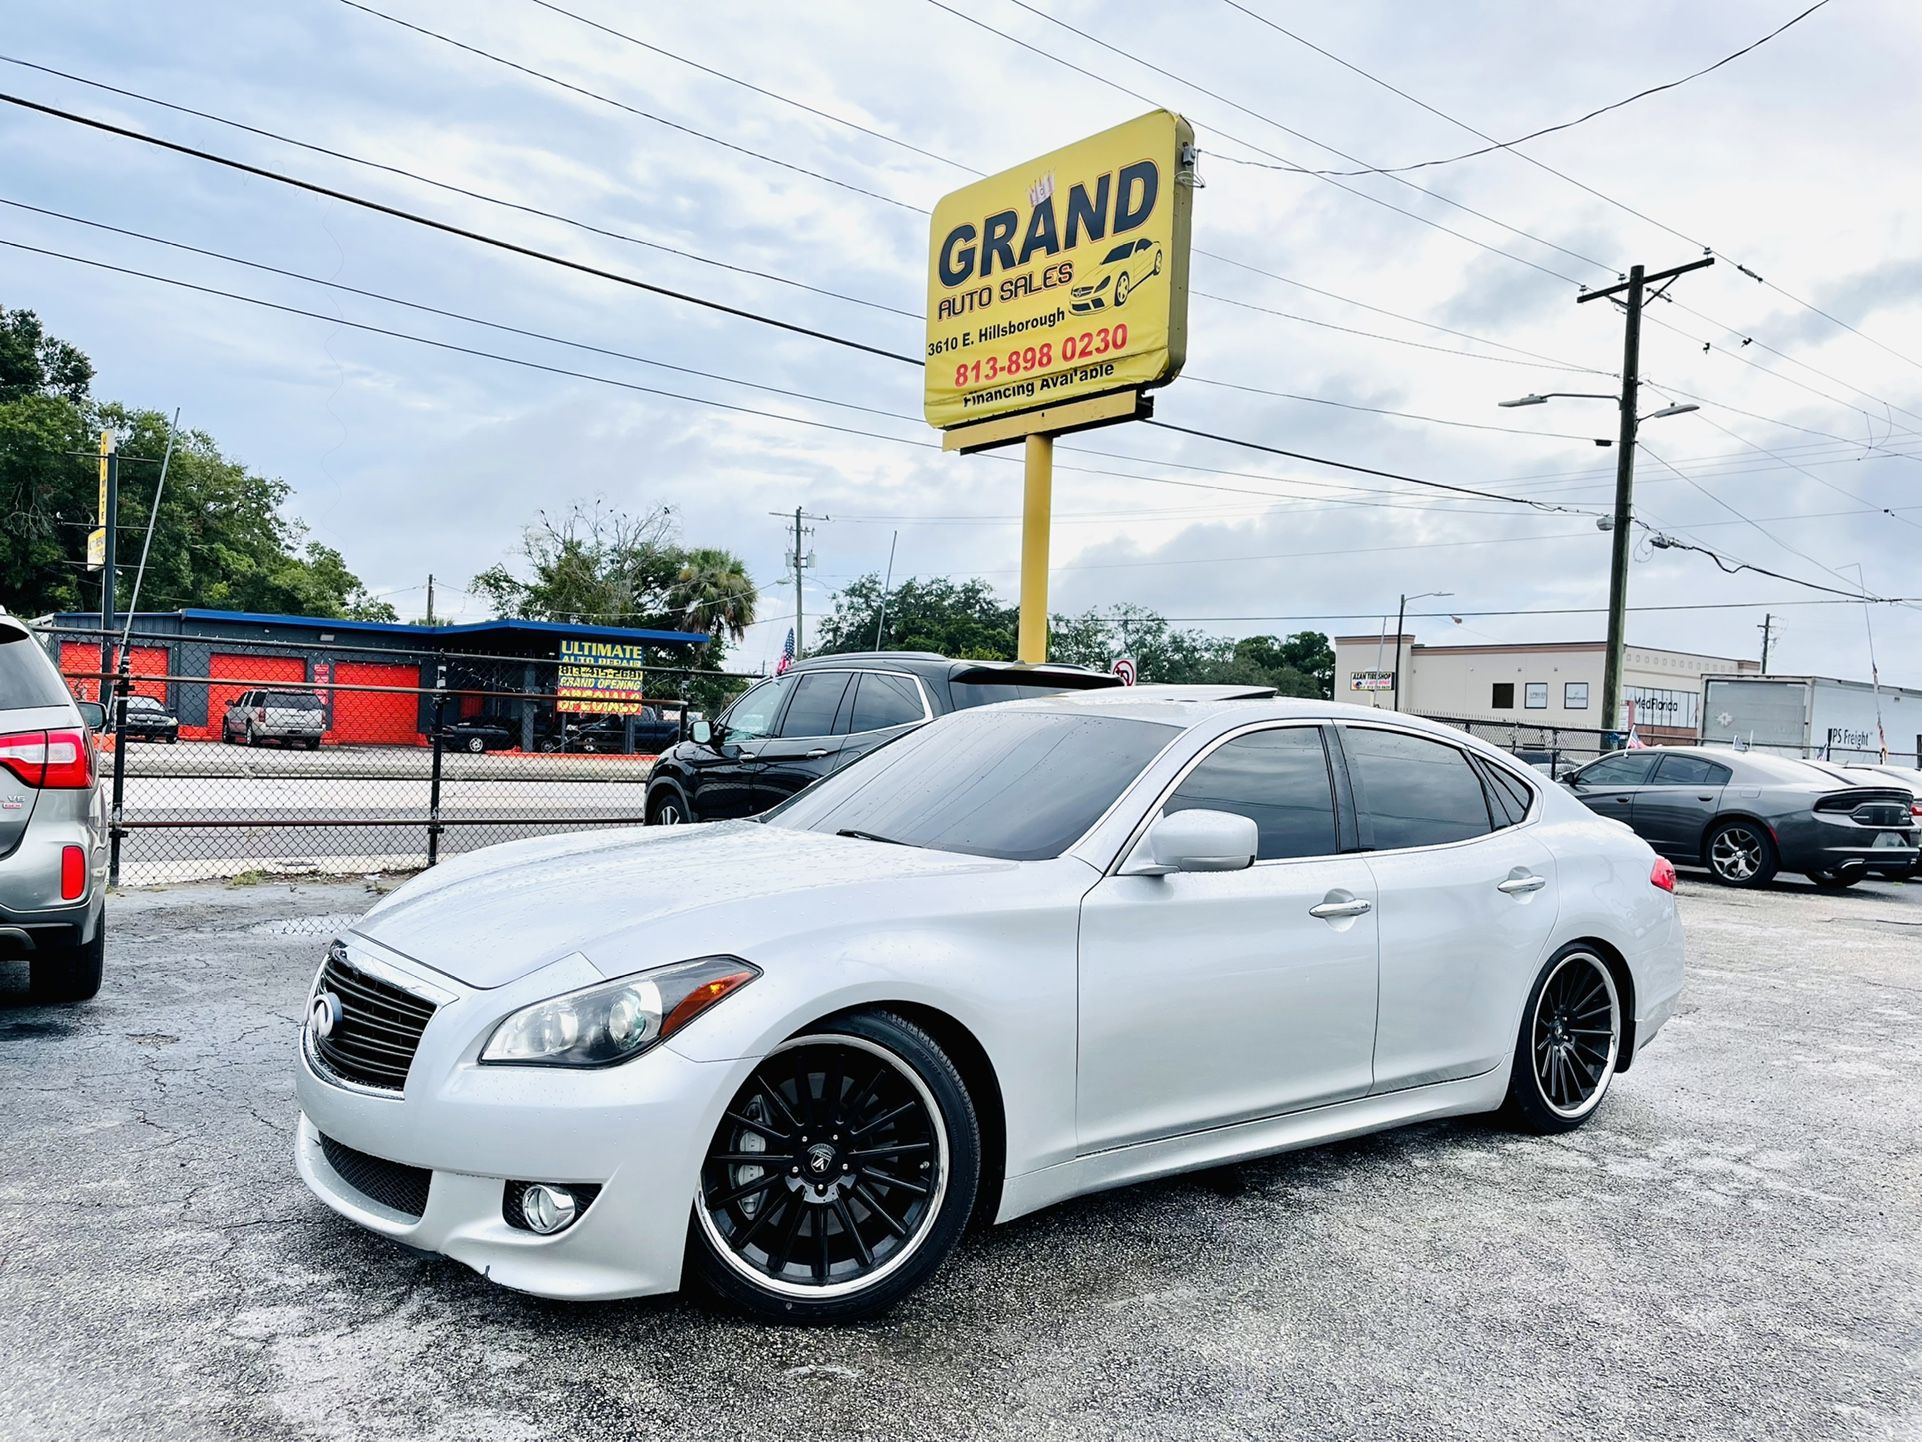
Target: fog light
{"x":548,"y":1209}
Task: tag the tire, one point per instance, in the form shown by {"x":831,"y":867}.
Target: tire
{"x":475,"y":746}
{"x":1741,"y":853}
{"x":1562,"y":1071}
{"x":70,"y":973}
{"x":1121,"y":290}
{"x":667,"y":807}
{"x":783,"y":1249}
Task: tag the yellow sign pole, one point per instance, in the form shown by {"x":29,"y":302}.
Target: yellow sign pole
{"x":1037,"y":504}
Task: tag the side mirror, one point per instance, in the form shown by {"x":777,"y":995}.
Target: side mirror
{"x":703,"y":732}
{"x":93,"y":715}
{"x":1201,"y":841}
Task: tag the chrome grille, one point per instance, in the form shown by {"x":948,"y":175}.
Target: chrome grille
{"x":379,"y":1029}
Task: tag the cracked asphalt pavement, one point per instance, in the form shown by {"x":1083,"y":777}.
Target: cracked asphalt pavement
{"x":1731,"y":1249}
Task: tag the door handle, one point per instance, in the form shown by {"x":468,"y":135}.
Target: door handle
{"x":816,"y":754}
{"x":1521,"y":885}
{"x":745,"y":755}
{"x":1623,"y":800}
{"x":1330,"y":910}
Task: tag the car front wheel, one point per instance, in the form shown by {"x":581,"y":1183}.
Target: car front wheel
{"x":1739,"y":853}
{"x":667,"y":809}
{"x":842,"y":1174}
{"x":475,"y":745}
{"x":1570,"y":1041}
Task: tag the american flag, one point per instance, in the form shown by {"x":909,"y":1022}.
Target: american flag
{"x":787,"y":653}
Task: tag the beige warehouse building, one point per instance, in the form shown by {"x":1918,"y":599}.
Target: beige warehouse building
{"x":1535,"y":684}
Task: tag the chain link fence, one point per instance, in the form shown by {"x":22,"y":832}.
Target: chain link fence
{"x":1557,"y":750}
{"x":239,"y":757}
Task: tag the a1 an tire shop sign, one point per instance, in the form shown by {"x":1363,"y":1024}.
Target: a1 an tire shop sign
{"x":599,"y":677}
{"x":1064,"y":278}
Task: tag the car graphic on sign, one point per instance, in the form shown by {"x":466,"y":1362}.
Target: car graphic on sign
{"x":1121,"y":270}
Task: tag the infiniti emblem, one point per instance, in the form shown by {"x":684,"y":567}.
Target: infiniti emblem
{"x":325,"y":1014}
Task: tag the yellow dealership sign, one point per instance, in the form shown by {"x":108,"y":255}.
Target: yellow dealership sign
{"x":1064,"y":278}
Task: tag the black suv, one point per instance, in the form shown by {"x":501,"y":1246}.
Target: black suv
{"x":820,"y":714}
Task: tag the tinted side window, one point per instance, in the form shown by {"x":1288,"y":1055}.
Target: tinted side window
{"x":1277,"y":779}
{"x":817,"y":696}
{"x":1626,"y":768}
{"x":1690,"y":771}
{"x":882,"y":700}
{"x":27,"y":677}
{"x":1509,"y":798}
{"x":1412,"y":791}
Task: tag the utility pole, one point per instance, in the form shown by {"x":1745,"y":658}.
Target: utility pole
{"x":800,"y":562}
{"x":1767,"y":621}
{"x":109,"y":502}
{"x":1637,"y":294}
{"x":430,"y":598}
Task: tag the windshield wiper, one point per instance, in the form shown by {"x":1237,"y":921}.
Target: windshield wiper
{"x":870,"y":836}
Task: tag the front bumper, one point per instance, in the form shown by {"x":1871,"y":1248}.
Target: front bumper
{"x":639,"y":1130}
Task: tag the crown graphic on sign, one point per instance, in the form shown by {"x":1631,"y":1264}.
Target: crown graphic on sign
{"x":1041,"y":190}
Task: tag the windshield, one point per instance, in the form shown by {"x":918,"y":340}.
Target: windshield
{"x":1015,"y":785}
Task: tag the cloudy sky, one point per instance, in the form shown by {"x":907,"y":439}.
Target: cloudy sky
{"x":1435,"y":295}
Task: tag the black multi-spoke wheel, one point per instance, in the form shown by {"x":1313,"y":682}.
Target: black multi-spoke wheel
{"x":841,"y":1173}
{"x":1571,"y":1036}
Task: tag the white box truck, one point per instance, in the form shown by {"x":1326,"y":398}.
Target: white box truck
{"x":1812,"y":716}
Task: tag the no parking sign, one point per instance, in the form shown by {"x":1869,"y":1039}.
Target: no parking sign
{"x":1124,"y":667}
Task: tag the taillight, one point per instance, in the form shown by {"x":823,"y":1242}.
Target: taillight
{"x":73,"y":872}
{"x":56,"y":760}
{"x":1915,"y":807}
{"x":25,"y":754}
{"x":69,"y":761}
{"x":260,"y":713}
{"x":1663,"y":874}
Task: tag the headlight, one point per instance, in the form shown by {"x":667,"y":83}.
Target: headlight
{"x":616,"y":1020}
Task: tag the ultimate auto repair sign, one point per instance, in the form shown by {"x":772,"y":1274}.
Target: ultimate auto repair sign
{"x":1063,"y":278}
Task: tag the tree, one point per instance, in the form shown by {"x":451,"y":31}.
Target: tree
{"x":222,"y":538}
{"x":604,"y":567}
{"x":955,"y":619}
{"x":712,"y":592}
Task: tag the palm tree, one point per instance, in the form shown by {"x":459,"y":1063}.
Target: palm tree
{"x":712,"y":593}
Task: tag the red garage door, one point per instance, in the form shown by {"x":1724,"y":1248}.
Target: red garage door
{"x":383,"y":718}
{"x":235,"y":674}
{"x":80,"y":664}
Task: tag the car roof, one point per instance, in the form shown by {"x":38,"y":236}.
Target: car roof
{"x":1189,"y":706}
{"x":933,"y":663}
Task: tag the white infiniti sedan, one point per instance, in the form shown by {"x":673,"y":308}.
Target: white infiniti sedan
{"x":1023,"y":953}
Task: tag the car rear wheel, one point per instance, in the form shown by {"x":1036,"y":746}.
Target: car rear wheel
{"x":1838,"y":878}
{"x":1740,"y":853}
{"x":68,"y":973}
{"x":475,"y":745}
{"x":1570,"y":1040}
{"x":842,"y":1174}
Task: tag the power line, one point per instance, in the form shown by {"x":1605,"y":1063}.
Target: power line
{"x":1380,"y":411}
{"x":748,"y":85}
{"x":453,"y":189}
{"x":1137,"y":95}
{"x":450,"y":229}
{"x":449,"y":314}
{"x":1580,"y":185}
{"x":772,"y":415}
{"x":1547,"y":610}
{"x":1520,"y":139}
{"x":623,"y":105}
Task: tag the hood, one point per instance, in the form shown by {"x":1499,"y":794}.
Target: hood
{"x":492,"y":916}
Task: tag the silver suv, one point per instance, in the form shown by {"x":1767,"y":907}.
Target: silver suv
{"x":289,"y":717}
{"x":53,"y":824}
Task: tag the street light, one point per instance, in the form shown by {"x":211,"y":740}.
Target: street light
{"x":1619,"y":524}
{"x":1400,"y":611}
